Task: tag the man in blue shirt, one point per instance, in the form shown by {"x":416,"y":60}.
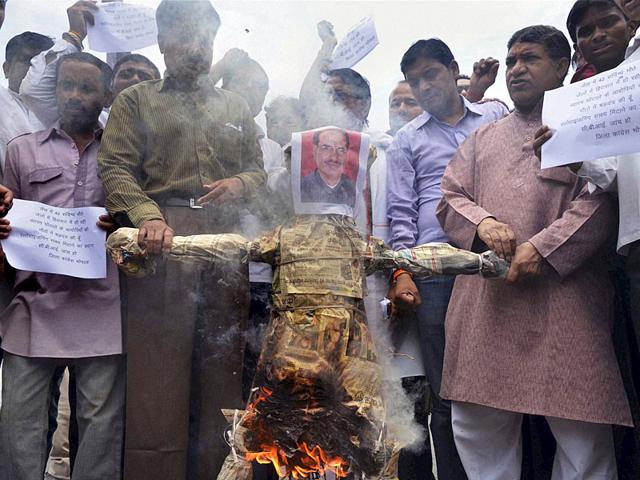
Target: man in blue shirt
{"x":417,"y":159}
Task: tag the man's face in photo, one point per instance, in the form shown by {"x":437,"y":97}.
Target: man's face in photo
{"x":330,"y":155}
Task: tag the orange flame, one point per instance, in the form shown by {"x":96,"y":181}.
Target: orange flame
{"x":308,"y":461}
{"x":304,"y":462}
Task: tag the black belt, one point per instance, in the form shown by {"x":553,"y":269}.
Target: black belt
{"x":180,"y":202}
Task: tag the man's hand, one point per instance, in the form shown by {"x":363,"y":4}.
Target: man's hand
{"x":404,"y":295}
{"x":527,"y":262}
{"x":223,"y":191}
{"x":5,"y":228}
{"x":326,"y":34}
{"x":6,"y":200}
{"x":484,"y":75}
{"x":105,"y":222}
{"x":542,"y":136}
{"x":498,"y":237}
{"x":155,"y":236}
{"x":80,"y":15}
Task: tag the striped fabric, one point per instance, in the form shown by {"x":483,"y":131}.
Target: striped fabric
{"x":161,"y":142}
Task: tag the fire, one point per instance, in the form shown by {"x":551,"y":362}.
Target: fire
{"x":303,"y":463}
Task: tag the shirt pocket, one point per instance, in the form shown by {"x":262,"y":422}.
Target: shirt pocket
{"x":43,"y":175}
{"x":46,"y":185}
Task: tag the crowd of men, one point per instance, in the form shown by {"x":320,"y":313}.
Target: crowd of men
{"x":535,"y":376}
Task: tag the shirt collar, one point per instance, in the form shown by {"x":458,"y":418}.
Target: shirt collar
{"x":44,"y":135}
{"x":169,"y":83}
{"x":468,"y":107}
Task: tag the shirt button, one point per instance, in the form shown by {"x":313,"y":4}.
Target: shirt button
{"x":527,"y":138}
{"x":80,"y":183}
{"x":76,"y":163}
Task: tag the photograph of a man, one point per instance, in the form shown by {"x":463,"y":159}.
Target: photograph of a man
{"x":328,"y":182}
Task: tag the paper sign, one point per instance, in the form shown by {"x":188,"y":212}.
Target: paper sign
{"x":122,"y":27}
{"x":56,"y":240}
{"x":594,"y":118}
{"x":356,"y":45}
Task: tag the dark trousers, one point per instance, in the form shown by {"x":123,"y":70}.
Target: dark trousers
{"x":627,"y":343}
{"x":415,"y":464}
{"x":259,"y":315}
{"x":435,"y":293}
{"x":185,"y":342}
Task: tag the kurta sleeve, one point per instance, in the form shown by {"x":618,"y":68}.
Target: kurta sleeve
{"x":120,"y":160}
{"x":402,"y":199}
{"x":579,"y":233}
{"x":458,"y":213}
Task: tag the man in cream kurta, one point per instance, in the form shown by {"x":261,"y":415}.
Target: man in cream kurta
{"x":540,"y":342}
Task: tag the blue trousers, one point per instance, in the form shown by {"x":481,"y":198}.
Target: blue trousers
{"x":435,"y":293}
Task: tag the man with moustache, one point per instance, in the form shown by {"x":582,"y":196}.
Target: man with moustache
{"x":56,"y":320}
{"x":179,"y":157}
{"x":595,"y":24}
{"x":601,"y":32}
{"x":540,"y":342}
{"x":416,"y":161}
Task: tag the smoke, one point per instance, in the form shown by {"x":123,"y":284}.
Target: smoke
{"x":399,"y":404}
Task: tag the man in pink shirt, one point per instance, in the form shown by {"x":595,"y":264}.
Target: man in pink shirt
{"x":57,"y":320}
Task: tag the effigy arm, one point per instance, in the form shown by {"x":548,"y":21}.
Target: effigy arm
{"x":438,"y":259}
{"x":123,"y":247}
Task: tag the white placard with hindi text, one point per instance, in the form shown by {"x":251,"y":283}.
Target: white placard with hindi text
{"x":122,"y":27}
{"x":356,"y":44}
{"x":48,"y":239}
{"x":594,"y":118}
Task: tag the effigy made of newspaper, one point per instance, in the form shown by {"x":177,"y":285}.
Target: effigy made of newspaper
{"x":316,"y":405}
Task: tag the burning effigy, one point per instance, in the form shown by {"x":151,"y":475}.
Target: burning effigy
{"x":316,"y":404}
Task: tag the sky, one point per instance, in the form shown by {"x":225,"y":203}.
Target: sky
{"x":282,"y":35}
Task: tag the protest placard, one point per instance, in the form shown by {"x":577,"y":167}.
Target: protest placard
{"x":595,"y":118}
{"x":56,"y":240}
{"x":122,"y":27}
{"x":356,"y":44}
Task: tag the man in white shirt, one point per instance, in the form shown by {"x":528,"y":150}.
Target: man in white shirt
{"x":38,"y":90}
{"x":16,"y":118}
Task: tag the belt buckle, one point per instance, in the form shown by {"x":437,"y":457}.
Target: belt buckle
{"x":192,"y":204}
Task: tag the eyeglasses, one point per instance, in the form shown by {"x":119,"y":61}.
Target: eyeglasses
{"x":330,"y":148}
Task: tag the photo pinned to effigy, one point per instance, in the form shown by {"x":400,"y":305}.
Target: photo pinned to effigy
{"x":328,"y":168}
